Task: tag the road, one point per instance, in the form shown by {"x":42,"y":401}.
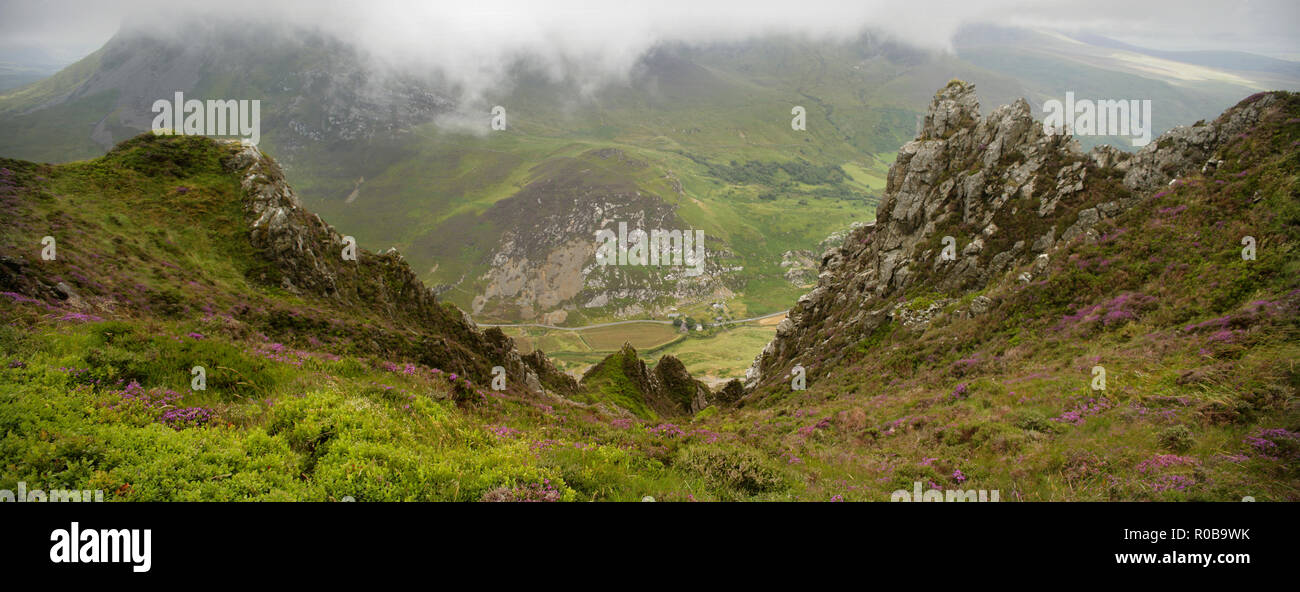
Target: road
{"x":611,"y":324}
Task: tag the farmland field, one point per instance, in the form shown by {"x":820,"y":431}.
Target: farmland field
{"x":714,"y":355}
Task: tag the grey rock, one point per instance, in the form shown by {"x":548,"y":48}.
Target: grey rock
{"x":1087,"y":219}
{"x":1046,"y":241}
{"x":972,"y":168}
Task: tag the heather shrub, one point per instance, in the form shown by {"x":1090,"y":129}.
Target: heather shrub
{"x":1227,"y":412}
{"x":981,"y":434}
{"x":706,"y":413}
{"x":1276,"y":443}
{"x":907,"y":474}
{"x":531,"y":492}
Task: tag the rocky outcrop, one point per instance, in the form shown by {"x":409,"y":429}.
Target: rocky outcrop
{"x":624,"y":380}
{"x":799,"y":267}
{"x":678,"y":392}
{"x":969,"y":202}
{"x":1185,"y":149}
{"x":549,"y":375}
{"x":730,"y":392}
{"x":307,"y":257}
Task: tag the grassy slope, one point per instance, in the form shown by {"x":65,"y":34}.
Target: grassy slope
{"x":61,"y":132}
{"x":609,"y":382}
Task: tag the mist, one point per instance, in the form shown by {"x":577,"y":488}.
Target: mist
{"x":590,"y":44}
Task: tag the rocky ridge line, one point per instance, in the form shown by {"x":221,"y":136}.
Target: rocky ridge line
{"x":307,"y":253}
{"x":961,"y":176}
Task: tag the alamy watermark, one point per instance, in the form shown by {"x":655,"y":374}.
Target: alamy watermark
{"x":1105,"y":117}
{"x":658,"y":247}
{"x":498,"y":378}
{"x":106,"y":545}
{"x":54,"y":495}
{"x":941,"y":495}
{"x":241,"y":118}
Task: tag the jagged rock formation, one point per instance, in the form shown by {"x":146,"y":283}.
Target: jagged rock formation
{"x":623,"y":380}
{"x":1005,"y":191}
{"x":550,"y":377}
{"x":800,"y":266}
{"x":308,"y":258}
{"x":679,"y":393}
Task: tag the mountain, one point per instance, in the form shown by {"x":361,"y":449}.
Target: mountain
{"x":190,"y":331}
{"x":181,"y":262}
{"x":695,"y":137}
{"x":257,"y":254}
{"x":1183,"y":87}
{"x":389,"y":151}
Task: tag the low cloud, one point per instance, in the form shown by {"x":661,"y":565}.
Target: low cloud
{"x":474,"y":42}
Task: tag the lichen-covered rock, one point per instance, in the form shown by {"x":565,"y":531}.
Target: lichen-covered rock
{"x":1185,"y":149}
{"x":548,"y":375}
{"x":1006,"y":191}
{"x":980,"y":305}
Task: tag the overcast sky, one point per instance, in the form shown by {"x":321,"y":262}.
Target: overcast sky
{"x":614,"y":32}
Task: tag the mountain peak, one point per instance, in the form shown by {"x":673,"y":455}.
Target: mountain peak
{"x":953,"y":106}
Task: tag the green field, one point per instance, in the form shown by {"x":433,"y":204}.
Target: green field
{"x":714,"y":354}
{"x":640,"y":335}
{"x":724,"y":354}
{"x":599,"y":339}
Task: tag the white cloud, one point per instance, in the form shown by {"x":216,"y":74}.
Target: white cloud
{"x":470,"y":39}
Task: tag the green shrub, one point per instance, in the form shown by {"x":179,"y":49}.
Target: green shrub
{"x":1175,"y":438}
{"x":733,"y":468}
{"x":1032,"y":420}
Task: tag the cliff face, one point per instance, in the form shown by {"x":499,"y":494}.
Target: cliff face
{"x":545,"y":265}
{"x":1006,"y":193}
